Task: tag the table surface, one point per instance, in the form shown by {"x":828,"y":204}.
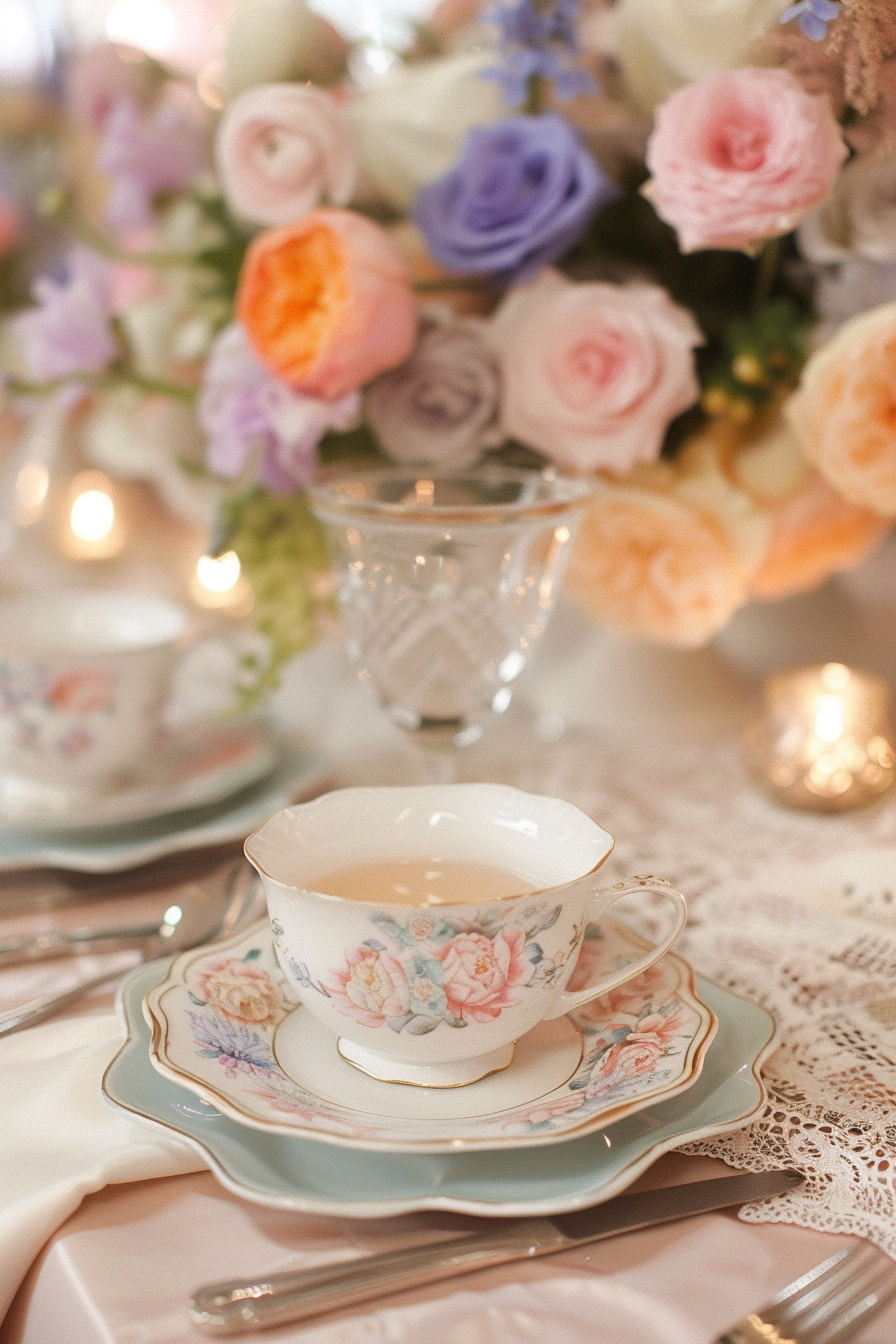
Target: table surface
{"x":122,"y":1268}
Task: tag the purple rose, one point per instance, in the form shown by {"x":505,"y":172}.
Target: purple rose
{"x":247,"y":412}
{"x":524,"y":191}
{"x":69,"y":332}
{"x":437,"y":406}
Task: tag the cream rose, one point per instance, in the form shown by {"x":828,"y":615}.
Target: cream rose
{"x":282,"y":150}
{"x":662,"y":44}
{"x":593,"y":373}
{"x":667,"y":555}
{"x":844,"y":410}
{"x":409,"y":127}
{"x":859,"y":217}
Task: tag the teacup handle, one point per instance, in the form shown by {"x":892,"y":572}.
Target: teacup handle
{"x":600,"y":900}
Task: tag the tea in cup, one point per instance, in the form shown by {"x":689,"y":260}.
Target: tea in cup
{"x":83,"y":679}
{"x":430,"y":927}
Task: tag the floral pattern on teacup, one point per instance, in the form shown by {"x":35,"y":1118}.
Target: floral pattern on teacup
{"x":222,"y":1009}
{"x":50,"y":711}
{"x":431,"y":969}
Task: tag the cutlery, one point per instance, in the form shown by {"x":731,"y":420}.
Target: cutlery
{"x":233,"y":1307}
{"x":201,"y":912}
{"x":200,"y":898}
{"x":827,"y":1305}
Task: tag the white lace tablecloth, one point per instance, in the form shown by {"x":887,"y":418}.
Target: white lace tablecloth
{"x":794,"y":911}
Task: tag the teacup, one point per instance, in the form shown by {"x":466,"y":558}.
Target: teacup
{"x":437,"y":994}
{"x":83,"y":677}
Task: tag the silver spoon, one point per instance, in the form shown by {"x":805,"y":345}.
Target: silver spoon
{"x":204,"y":911}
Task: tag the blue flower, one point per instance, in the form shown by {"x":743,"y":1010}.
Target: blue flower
{"x":814,"y":16}
{"x":538,"y":40}
{"x":239,"y":1048}
{"x":523,"y":192}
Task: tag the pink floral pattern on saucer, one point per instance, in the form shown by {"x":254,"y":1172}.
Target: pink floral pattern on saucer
{"x":216,"y":1016}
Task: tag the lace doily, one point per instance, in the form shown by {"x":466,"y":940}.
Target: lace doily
{"x":796,"y":912}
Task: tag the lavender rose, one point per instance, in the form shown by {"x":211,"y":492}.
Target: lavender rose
{"x":437,"y":406}
{"x":523,"y":192}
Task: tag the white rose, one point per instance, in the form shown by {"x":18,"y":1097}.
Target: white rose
{"x":281,"y":150}
{"x":410,"y":127}
{"x":662,"y":44}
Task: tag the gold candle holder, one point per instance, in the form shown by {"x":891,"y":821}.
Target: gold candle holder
{"x":823,"y":740}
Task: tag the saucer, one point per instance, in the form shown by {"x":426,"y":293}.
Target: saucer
{"x":304,"y":1176}
{"x":199,"y":767}
{"x":226,"y":1024}
{"x":112,"y":849}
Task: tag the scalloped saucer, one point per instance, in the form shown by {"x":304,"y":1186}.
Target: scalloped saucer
{"x":198,"y":767}
{"x":301,"y":1176}
{"x":226,"y":1025}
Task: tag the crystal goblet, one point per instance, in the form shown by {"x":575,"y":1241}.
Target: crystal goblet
{"x":446,"y":585}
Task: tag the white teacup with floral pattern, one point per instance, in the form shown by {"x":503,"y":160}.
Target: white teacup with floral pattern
{"x":83,"y":677}
{"x":437,"y":995}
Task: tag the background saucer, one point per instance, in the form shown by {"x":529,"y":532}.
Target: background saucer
{"x":199,"y":767}
{"x":308,"y":1177}
{"x":108,"y":849}
{"x":233,"y":1059}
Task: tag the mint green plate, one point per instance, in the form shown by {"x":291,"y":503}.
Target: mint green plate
{"x":111,"y":849}
{"x":311,"y":1177}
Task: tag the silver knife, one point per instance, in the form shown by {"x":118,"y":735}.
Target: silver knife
{"x":232,"y":1308}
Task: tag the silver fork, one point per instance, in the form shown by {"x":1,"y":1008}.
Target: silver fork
{"x":827,"y":1305}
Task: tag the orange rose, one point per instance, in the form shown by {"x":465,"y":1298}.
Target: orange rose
{"x":815,"y":532}
{"x":667,"y":554}
{"x":844,"y":412}
{"x":326,"y":302}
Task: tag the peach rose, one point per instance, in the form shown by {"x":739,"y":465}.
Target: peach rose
{"x":668,"y":554}
{"x":593,"y":373}
{"x":240,"y":991}
{"x":844,"y":411}
{"x":281,"y":149}
{"x":741,"y":156}
{"x":482,"y":975}
{"x":372,"y":988}
{"x":815,"y":532}
{"x":326,"y":302}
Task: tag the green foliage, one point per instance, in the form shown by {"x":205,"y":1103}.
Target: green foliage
{"x":763,"y":356}
{"x":283,"y":556}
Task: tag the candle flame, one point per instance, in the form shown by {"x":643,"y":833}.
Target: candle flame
{"x":829,"y":718}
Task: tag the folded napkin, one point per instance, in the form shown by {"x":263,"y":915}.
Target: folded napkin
{"x":60,"y":1140}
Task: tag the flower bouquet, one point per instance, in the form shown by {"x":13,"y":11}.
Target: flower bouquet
{"x":651,"y":242}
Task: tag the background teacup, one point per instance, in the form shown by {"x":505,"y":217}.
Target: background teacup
{"x":83,"y":678}
{"x":437,"y":994}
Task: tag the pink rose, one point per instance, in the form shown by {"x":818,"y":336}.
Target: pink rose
{"x":482,"y":974}
{"x":83,"y":690}
{"x":281,"y":150}
{"x":240,"y":991}
{"x":629,"y":1059}
{"x":741,"y":156}
{"x":372,"y":988}
{"x":593,"y":373}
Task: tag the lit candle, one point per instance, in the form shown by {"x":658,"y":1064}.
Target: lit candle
{"x":217,"y":583}
{"x":91,"y":528}
{"x":823,"y":739}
